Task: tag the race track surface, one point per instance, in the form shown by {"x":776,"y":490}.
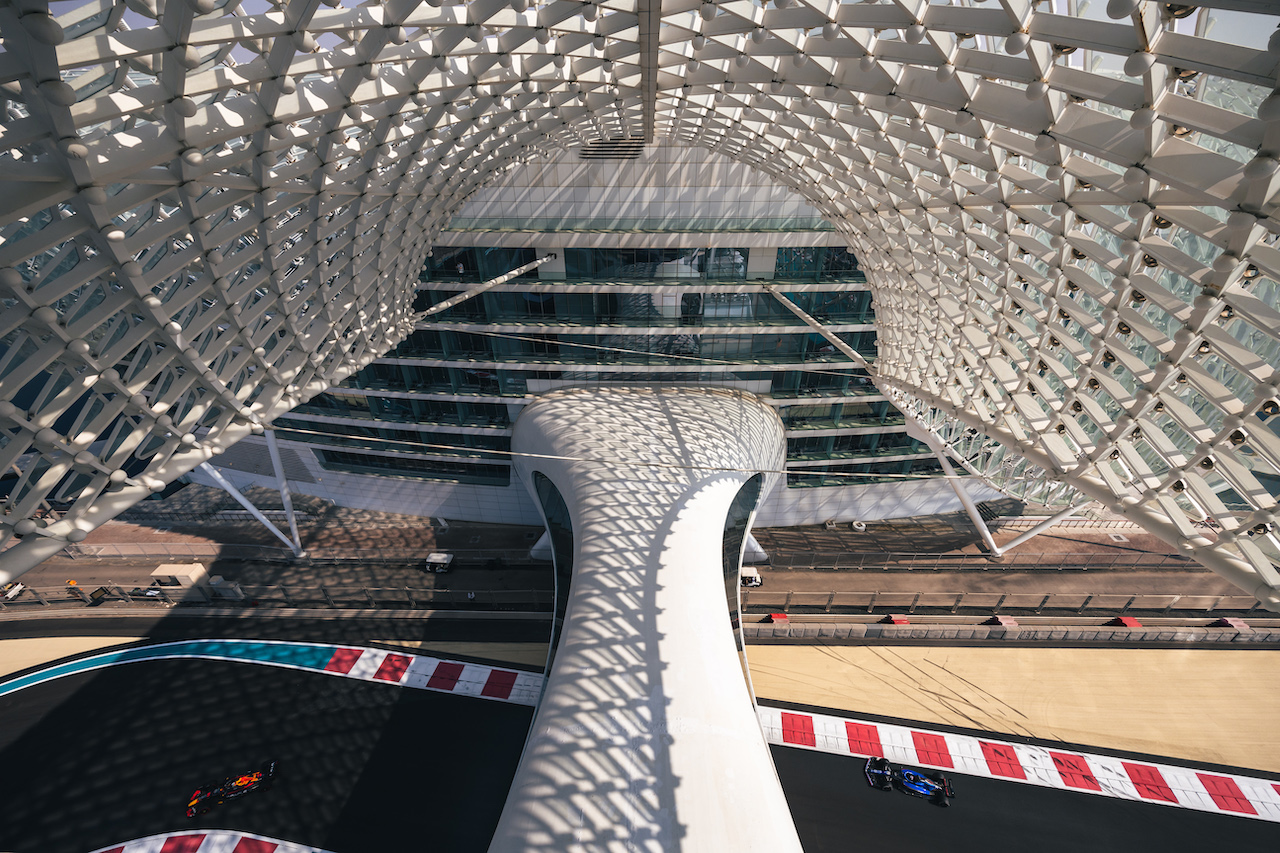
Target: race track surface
{"x":112,"y":755}
{"x":836,"y":811}
{"x":100,"y":758}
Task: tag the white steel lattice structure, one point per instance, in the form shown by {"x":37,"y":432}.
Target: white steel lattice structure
{"x":215,"y":209}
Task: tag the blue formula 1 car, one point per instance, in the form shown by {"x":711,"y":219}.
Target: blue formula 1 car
{"x":933,"y":786}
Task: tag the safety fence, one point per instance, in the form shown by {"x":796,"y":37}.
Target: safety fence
{"x":280,"y":596}
{"x":204,"y":551}
{"x":753,"y":600}
{"x":994,"y":603}
{"x":1026,"y":522}
{"x":781,"y":559}
{"x":1020,"y":562}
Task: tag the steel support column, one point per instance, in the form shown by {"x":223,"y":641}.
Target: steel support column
{"x":1042,"y":527}
{"x":481,"y":288}
{"x":919,"y":433}
{"x":222,"y":481}
{"x":283,"y":485}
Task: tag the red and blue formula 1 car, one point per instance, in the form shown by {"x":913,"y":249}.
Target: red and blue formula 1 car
{"x":213,"y":794}
{"x":933,"y":786}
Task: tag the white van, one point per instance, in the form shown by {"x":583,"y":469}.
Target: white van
{"x":750,"y":577}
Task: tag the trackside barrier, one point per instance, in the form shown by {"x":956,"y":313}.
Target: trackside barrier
{"x":291,"y":595}
{"x":325,"y":596}
{"x":970,"y":603}
{"x":1026,"y":522}
{"x":1018,"y":561}
{"x":781,"y":559}
{"x":179,"y":551}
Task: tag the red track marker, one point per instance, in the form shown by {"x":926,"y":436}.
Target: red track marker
{"x":798,"y":729}
{"x":499,"y":684}
{"x":343,"y":660}
{"x":446,"y":676}
{"x":864,"y":739}
{"x":1075,"y":771}
{"x":393,"y":668}
{"x":1003,"y":760}
{"x":1226,"y":793}
{"x":932,"y":749}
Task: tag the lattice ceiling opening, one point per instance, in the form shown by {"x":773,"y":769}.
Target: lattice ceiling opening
{"x":214,"y":210}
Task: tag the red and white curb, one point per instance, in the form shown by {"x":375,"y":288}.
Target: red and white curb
{"x":211,"y":841}
{"x":1066,"y":770}
{"x":428,"y":673}
{"x":366,"y":664}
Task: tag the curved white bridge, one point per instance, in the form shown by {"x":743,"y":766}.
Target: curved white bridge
{"x":646,"y":737}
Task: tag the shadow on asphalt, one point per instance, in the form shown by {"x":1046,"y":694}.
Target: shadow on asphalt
{"x":837,"y":811}
{"x":112,"y":755}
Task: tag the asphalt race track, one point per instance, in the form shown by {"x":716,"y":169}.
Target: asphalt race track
{"x":108,"y":756}
{"x":836,"y":810}
{"x":355,"y":631}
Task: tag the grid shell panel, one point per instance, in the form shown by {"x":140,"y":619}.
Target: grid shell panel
{"x":215,"y":209}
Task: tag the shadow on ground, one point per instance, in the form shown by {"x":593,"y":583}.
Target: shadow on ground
{"x":110,"y":756}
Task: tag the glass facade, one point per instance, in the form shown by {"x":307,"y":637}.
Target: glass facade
{"x":451,"y":391}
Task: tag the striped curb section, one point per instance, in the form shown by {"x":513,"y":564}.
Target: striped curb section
{"x":416,"y":671}
{"x":210,"y":841}
{"x":1140,"y":781}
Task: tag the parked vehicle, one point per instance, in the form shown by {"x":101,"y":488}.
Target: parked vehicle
{"x":437,"y":562}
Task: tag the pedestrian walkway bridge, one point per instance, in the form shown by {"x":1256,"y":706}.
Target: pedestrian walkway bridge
{"x":646,"y":737}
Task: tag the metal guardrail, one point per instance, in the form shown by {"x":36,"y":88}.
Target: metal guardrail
{"x":1016,"y":521}
{"x":281,"y":595}
{"x":820,"y":561}
{"x":178,"y":551}
{"x":753,"y":601}
{"x":1021,"y":562}
{"x":995,"y":603}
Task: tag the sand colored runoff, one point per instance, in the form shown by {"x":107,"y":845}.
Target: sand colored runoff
{"x":1203,"y":705}
{"x":17,"y":655}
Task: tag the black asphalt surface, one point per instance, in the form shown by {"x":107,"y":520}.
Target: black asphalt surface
{"x":836,"y":810}
{"x":109,"y":756}
{"x":168,"y":625}
{"x":105,"y":757}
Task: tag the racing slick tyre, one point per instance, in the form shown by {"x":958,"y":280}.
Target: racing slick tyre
{"x":947,"y":792}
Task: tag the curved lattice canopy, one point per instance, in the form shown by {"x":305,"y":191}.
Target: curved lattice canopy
{"x":214,"y":209}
